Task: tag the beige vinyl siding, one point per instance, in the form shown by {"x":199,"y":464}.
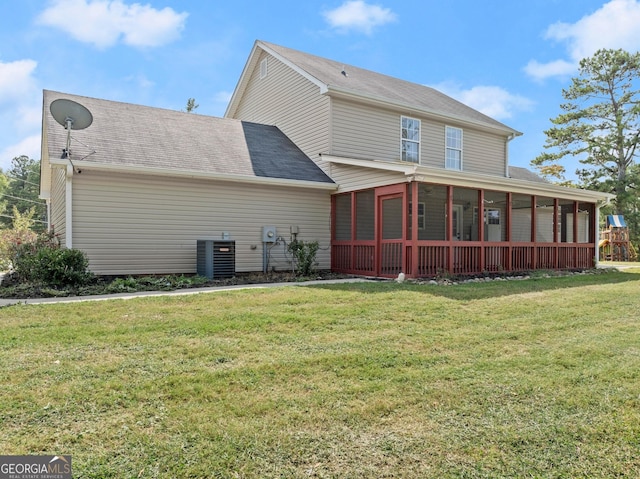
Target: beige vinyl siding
{"x":353,"y":178}
{"x":291,"y":102}
{"x":58,"y":204}
{"x":483,"y":152}
{"x":366,"y":132}
{"x":134,"y":224}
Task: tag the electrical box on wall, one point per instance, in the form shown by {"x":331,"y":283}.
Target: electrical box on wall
{"x":268,"y":234}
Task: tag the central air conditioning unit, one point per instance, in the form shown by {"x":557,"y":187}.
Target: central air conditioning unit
{"x":216,"y":259}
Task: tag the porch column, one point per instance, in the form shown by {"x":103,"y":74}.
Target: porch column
{"x":414,"y":229}
{"x":354,"y":220}
{"x":595,"y":237}
{"x":450,"y":227}
{"x":575,"y":233}
{"x":481,"y":228}
{"x":509,"y":208}
{"x":556,"y":233}
{"x":534,"y":232}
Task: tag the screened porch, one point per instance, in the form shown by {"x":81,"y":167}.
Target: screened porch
{"x":426,"y":230}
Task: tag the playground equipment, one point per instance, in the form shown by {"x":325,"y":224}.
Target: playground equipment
{"x":614,"y":241}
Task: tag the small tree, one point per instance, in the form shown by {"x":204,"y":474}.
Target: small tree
{"x":191,"y":105}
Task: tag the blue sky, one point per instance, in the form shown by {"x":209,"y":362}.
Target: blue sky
{"x":508,"y":59}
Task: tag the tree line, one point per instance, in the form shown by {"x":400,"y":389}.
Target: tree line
{"x":19,"y":194}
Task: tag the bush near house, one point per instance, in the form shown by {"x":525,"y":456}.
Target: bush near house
{"x":304,"y":255}
{"x":38,"y":258}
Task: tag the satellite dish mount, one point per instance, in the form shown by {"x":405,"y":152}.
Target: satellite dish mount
{"x":71,"y":115}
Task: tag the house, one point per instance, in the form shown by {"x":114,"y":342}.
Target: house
{"x":143,"y":185}
{"x":424,"y":182}
{"x":387,"y":175}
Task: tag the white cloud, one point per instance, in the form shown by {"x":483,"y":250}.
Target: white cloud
{"x":359,"y":16}
{"x":223,"y":97}
{"x":29,"y":146}
{"x":493,"y":101}
{"x":105,"y":22}
{"x":614,"y":25}
{"x":20,"y":112}
{"x":540,"y":71}
{"x":16,"y":79}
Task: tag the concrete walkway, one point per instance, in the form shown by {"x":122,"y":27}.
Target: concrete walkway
{"x":178,"y":292}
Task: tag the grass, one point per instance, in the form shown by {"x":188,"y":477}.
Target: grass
{"x":537,"y":378}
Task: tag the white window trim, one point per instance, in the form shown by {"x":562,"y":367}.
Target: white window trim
{"x":263,"y":68}
{"x":446,"y":148}
{"x":419,"y":142}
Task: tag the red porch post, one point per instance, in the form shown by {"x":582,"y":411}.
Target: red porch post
{"x":449,"y":225}
{"x":556,"y":233}
{"x":414,"y":229}
{"x":575,"y":233}
{"x":509,"y":207}
{"x":481,"y":228}
{"x":534,"y":232}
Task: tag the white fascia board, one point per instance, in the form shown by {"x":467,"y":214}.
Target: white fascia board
{"x":145,"y":170}
{"x":251,"y":64}
{"x":354,"y":95}
{"x":475,"y":180}
{"x":397,"y":166}
{"x":242,"y":82}
{"x":323,"y":86}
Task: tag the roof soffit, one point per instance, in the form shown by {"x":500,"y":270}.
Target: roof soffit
{"x":413,"y":172}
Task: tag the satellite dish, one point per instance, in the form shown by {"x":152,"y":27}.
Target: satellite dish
{"x":71,"y":115}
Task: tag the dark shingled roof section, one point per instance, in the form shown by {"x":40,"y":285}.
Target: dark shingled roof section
{"x":518,"y":173}
{"x":124,"y":134}
{"x":273,"y":155}
{"x":395,"y":90}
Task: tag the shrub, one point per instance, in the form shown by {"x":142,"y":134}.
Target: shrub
{"x":304,"y":255}
{"x":14,"y":240}
{"x":51,"y":265}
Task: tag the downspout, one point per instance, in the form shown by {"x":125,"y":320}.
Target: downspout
{"x":68,"y":207}
{"x":506,"y":154}
{"x":596,"y":222}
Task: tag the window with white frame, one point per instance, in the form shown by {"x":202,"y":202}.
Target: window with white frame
{"x":410,"y":139}
{"x":453,"y":150}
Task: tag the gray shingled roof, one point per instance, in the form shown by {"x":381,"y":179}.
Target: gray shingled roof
{"x":518,"y":173}
{"x":124,"y":134}
{"x":376,"y":85}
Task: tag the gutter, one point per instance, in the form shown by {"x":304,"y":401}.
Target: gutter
{"x":174,"y":173}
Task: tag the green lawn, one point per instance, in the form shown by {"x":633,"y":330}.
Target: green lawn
{"x":537,"y":378}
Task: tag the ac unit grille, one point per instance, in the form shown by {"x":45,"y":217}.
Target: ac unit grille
{"x":216,"y":259}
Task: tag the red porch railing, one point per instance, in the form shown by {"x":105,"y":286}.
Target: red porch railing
{"x":439,"y":257}
{"x":354,"y":257}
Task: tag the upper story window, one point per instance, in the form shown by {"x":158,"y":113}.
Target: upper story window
{"x":410,"y":139}
{"x":263,"y":69}
{"x":453,"y":153}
